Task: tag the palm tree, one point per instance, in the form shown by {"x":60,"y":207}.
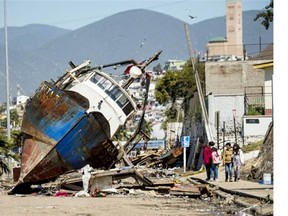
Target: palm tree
{"x":3,"y":153}
{"x":7,"y":150}
{"x":266,"y":16}
{"x":147,"y":129}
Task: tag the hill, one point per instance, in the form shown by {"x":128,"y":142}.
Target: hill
{"x":41,"y":52}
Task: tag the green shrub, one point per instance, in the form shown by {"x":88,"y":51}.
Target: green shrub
{"x":252,"y":146}
{"x":256,"y":110}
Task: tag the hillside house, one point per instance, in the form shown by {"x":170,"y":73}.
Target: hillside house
{"x":174,"y":65}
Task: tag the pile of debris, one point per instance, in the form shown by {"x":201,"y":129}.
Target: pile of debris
{"x":158,"y":158}
{"x":263,"y":163}
{"x":154,"y":171}
{"x":88,"y":182}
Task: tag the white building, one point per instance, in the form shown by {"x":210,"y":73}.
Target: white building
{"x":174,"y":65}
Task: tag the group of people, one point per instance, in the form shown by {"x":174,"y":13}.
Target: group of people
{"x":231,"y":157}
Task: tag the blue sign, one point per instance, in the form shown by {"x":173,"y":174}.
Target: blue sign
{"x":152,"y":144}
{"x":185,"y":141}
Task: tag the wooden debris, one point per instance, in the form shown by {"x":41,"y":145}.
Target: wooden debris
{"x":185,"y":190}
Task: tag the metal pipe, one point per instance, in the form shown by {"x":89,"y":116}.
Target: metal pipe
{"x":223,"y":130}
{"x":234,"y":121}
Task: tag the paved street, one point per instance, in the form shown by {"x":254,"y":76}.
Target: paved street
{"x":247,"y":188}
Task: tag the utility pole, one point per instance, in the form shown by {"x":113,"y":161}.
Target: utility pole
{"x":217,"y":114}
{"x":7,"y":74}
{"x":198,"y":84}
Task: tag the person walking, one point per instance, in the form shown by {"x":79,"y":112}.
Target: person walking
{"x":216,"y":159}
{"x":238,"y":161}
{"x":227,"y":161}
{"x":207,"y":159}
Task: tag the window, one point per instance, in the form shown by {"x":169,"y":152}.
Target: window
{"x":252,"y":121}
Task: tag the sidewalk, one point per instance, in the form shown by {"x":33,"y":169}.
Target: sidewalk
{"x":241,"y":187}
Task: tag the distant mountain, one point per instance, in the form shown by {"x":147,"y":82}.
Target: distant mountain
{"x":31,"y":36}
{"x":26,"y":67}
{"x":41,"y":52}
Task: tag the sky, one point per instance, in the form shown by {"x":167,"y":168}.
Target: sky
{"x":73,"y":14}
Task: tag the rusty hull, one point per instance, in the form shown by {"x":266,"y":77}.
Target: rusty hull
{"x":60,"y":136}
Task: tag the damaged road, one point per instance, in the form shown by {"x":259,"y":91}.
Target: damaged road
{"x":141,"y":190}
{"x":128,"y":205}
{"x":132,"y":191}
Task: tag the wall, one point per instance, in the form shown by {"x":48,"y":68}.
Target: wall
{"x":268,"y":90}
{"x":232,"y":77}
{"x":225,"y":105}
{"x":256,"y":125}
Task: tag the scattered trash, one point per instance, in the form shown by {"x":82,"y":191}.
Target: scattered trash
{"x":61,"y":194}
{"x":86,"y":175}
{"x":267,"y":178}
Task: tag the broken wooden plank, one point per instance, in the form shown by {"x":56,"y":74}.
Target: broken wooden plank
{"x":160,"y":189}
{"x":72,"y":187}
{"x":143,"y":179}
{"x":185,"y":190}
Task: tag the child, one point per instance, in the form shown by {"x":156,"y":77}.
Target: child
{"x":216,"y":159}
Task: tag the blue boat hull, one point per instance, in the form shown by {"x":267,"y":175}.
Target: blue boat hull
{"x":60,"y":136}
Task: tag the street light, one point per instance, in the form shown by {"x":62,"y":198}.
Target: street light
{"x":234,"y":121}
{"x":7,"y":74}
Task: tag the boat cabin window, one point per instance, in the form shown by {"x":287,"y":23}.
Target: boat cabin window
{"x":113,"y":91}
{"x":95,"y":78}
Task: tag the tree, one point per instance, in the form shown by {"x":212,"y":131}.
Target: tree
{"x":166,"y":88}
{"x":266,"y":16}
{"x":158,"y":68}
{"x":122,"y":135}
{"x":148,"y":127}
{"x":14,"y":117}
{"x":148,"y":131}
{"x":16,"y":138}
{"x":9,"y":149}
{"x":2,"y":108}
{"x":178,"y":84}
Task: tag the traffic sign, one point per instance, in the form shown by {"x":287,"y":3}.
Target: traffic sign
{"x":185,"y":141}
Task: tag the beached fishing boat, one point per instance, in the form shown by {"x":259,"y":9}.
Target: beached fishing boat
{"x":70,"y":123}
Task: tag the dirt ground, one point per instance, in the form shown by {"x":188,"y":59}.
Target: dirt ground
{"x":139,"y":202}
{"x":126,"y":205}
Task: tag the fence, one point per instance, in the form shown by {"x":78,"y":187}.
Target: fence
{"x":257,"y":102}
